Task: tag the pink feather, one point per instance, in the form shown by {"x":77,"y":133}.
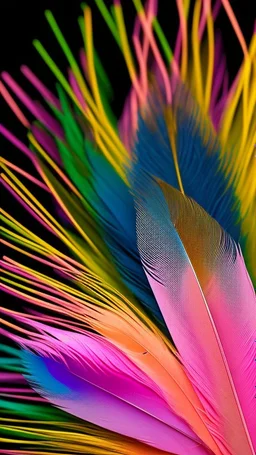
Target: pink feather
{"x":204,"y":292}
{"x":107,"y":389}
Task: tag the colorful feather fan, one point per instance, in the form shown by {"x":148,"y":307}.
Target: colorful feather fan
{"x":138,"y":331}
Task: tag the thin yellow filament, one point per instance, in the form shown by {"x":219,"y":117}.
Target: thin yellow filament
{"x":208,"y":88}
{"x":196,"y":53}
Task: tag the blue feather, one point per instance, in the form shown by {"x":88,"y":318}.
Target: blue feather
{"x":115,"y":207}
{"x":198,"y":154}
{"x":49,"y":376}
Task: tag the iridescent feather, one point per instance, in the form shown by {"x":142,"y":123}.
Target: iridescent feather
{"x":139,"y":328}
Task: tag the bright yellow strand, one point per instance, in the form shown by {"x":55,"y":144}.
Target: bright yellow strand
{"x":74,"y":222}
{"x":121,"y":151}
{"x":170,"y":121}
{"x":186,"y":7}
{"x":245,"y":103}
{"x":79,"y":251}
{"x":36,"y":202}
{"x":9,"y":220}
{"x":208,"y":88}
{"x":126,"y":49}
{"x":106,"y":149}
{"x":229,"y":112}
{"x":23,"y":241}
{"x":249,"y":103}
{"x":196,"y":53}
{"x":56,"y":168}
{"x":90,"y":58}
{"x":40,"y":246}
{"x":183,"y":24}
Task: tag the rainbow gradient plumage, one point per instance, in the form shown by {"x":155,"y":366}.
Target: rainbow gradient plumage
{"x":138,"y":332}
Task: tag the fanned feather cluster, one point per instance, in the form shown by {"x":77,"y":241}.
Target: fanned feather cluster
{"x":138,"y":329}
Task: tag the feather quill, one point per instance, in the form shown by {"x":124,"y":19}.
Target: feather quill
{"x":192,"y":277}
{"x":90,"y":399}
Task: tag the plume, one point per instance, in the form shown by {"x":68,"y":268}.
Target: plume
{"x":134,"y":324}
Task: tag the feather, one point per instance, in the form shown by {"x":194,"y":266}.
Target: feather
{"x":198,"y":155}
{"x":138,"y":334}
{"x":81,"y":398}
{"x":115,"y":207}
{"x":194,"y":268}
{"x":147,"y":351}
{"x":25,"y":419}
